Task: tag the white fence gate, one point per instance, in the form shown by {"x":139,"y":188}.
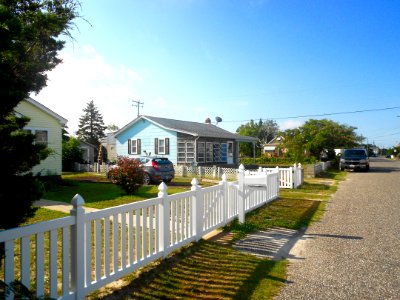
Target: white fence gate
{"x":70,"y":257}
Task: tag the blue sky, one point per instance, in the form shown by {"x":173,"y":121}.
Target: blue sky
{"x":239,"y":60}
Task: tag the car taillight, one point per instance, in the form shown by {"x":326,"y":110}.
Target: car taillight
{"x":154,"y":165}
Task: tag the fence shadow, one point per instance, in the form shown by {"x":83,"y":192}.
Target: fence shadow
{"x":204,"y":270}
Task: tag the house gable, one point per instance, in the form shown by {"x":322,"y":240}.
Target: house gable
{"x":147,"y":132}
{"x":88,"y":151}
{"x":43,"y":119}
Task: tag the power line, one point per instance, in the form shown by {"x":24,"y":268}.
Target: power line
{"x":326,"y":114}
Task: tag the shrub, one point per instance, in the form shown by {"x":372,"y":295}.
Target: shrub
{"x":18,"y":194}
{"x":128,"y":174}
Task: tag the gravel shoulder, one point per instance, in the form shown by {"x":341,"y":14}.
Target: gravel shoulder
{"x":353,"y":251}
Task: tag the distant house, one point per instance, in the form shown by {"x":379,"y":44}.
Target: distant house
{"x":183,"y":142}
{"x":88,"y":152}
{"x":274,"y":147}
{"x":109,"y":144}
{"x":47,"y":126}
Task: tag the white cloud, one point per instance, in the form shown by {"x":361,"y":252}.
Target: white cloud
{"x":290,"y":124}
{"x":83,"y":76}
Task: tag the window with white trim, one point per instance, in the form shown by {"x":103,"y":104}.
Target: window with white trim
{"x":209,"y":152}
{"x":134,"y":146}
{"x":161,"y":146}
{"x":186,"y":151}
{"x":201,"y":152}
{"x":41,"y":136}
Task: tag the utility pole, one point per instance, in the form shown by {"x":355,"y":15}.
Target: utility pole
{"x":137,"y":103}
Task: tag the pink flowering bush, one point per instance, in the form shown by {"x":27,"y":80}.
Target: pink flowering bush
{"x":128,"y":174}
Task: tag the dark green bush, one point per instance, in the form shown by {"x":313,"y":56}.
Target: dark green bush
{"x":17,"y":196}
{"x":266,"y":161}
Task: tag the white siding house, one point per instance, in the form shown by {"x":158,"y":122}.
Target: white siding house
{"x":47,"y":126}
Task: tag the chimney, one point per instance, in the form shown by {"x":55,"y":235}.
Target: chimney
{"x":207,"y":121}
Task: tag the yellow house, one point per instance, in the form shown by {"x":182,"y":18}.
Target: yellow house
{"x":47,"y":127}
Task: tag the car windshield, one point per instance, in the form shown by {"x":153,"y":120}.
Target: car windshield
{"x":355,"y":153}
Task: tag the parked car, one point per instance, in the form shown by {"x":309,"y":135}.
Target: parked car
{"x":157,"y":169}
{"x":354,"y":159}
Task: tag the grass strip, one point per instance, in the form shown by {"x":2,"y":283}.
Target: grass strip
{"x":203,"y":270}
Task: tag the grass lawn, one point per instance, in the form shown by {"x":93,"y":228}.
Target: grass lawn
{"x":206,"y":269}
{"x":100,"y":193}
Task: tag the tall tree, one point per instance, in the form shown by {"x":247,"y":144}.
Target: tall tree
{"x":265,"y":131}
{"x":268,"y":129}
{"x":91,"y":125}
{"x":30,"y":35}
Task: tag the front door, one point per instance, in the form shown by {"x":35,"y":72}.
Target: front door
{"x":230,"y":153}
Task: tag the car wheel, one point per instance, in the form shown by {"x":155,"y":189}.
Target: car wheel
{"x":146,"y":179}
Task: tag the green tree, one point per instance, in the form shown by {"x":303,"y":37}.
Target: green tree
{"x":71,"y":153}
{"x":316,"y":136}
{"x":265,"y":131}
{"x":30,"y":35}
{"x":112,"y":128}
{"x":91,"y":125}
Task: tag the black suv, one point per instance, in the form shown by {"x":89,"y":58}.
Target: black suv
{"x":354,"y":159}
{"x":156,"y":169}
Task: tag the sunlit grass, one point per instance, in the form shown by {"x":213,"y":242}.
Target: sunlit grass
{"x":102,"y":194}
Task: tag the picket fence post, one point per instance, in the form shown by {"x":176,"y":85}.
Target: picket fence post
{"x":301,"y":174}
{"x":78,"y":247}
{"x":224,"y":195}
{"x":197,"y":209}
{"x":163,"y":221}
{"x":241,"y":196}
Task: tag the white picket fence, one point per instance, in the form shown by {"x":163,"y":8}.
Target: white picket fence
{"x":289,"y":178}
{"x":70,"y":257}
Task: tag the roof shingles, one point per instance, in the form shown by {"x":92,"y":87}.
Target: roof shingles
{"x":194,"y":128}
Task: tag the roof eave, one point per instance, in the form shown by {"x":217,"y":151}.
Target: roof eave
{"x":62,"y":120}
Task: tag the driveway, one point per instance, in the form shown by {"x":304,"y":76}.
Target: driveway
{"x":353,"y":252}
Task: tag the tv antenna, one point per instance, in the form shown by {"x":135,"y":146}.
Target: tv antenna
{"x":218,"y":119}
{"x":137,"y":103}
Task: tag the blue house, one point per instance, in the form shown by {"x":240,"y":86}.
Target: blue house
{"x":183,"y":142}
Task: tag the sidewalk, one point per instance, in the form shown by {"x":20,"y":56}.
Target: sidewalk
{"x":59,"y":206}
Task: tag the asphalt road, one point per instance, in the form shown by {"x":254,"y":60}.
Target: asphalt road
{"x":353,"y":252}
